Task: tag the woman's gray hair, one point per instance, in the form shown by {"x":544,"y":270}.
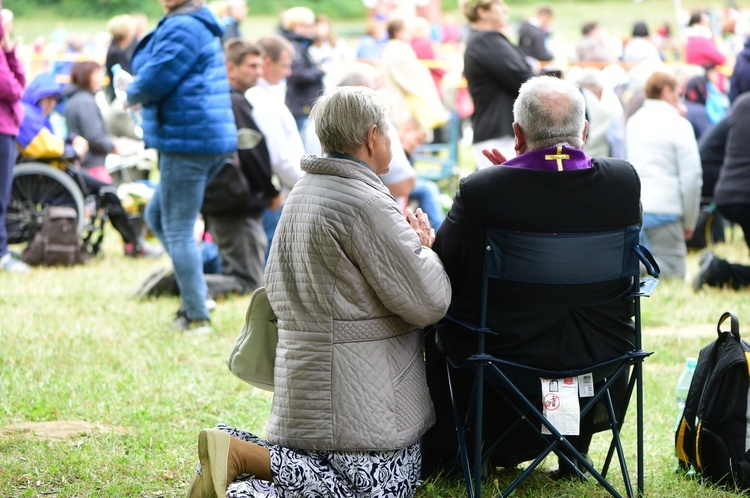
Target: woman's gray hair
{"x":550,"y":111}
{"x":343,"y":115}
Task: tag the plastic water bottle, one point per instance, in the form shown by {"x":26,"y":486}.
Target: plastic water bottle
{"x":681,"y":392}
{"x":683,"y":387}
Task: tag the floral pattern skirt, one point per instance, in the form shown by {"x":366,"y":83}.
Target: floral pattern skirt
{"x":335,"y":474}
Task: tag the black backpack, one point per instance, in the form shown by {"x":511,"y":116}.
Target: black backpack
{"x":711,"y":436}
{"x":56,"y":242}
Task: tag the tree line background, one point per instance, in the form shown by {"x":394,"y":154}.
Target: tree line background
{"x":337,"y":9}
{"x":341,"y":9}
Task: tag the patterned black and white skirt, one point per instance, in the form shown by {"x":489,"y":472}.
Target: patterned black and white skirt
{"x":335,"y":474}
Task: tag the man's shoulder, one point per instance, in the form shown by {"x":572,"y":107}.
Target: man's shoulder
{"x":495,"y":177}
{"x":239,"y":99}
{"x":610,"y":162}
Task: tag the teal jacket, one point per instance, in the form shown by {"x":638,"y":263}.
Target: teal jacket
{"x":181,"y":81}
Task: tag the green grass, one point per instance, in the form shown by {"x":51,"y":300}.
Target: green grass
{"x":76,"y":348}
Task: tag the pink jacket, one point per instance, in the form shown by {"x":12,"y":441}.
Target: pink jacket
{"x":701,"y":50}
{"x":12,"y":83}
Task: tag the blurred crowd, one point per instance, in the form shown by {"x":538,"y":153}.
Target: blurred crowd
{"x":442,"y":78}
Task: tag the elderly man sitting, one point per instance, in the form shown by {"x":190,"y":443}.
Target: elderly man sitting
{"x":551,"y":186}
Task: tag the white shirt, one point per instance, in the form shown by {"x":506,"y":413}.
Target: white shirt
{"x":277,"y":124}
{"x":661,"y":146}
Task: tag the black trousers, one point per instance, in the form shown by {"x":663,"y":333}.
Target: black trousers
{"x":740,"y":214}
{"x":439,"y":445}
{"x":107,"y":194}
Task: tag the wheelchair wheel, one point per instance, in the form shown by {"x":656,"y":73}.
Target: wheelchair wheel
{"x":36,"y":186}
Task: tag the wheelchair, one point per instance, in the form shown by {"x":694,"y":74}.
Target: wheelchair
{"x":38,"y":184}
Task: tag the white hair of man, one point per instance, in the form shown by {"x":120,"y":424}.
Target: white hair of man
{"x":361,"y":74}
{"x":550,"y":111}
{"x":342,"y":117}
{"x":590,"y":78}
{"x":296,"y":16}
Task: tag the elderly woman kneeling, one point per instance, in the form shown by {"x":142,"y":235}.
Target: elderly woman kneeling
{"x":352,"y":282}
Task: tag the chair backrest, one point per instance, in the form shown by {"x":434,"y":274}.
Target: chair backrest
{"x":561,"y":258}
{"x":542,"y":270}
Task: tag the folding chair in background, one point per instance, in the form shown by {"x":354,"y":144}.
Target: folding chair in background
{"x":564,"y":261}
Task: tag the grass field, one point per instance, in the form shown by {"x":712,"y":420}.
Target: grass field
{"x":101,"y":398}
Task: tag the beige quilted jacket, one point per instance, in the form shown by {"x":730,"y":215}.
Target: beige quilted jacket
{"x":352,"y":287}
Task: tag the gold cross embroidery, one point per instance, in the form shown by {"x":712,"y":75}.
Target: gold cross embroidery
{"x":557,"y":157}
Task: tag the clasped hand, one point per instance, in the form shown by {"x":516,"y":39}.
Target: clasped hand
{"x":421,"y":224}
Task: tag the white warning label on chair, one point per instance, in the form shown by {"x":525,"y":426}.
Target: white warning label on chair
{"x":560,"y":405}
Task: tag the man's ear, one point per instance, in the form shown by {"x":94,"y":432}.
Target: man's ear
{"x":585,"y":130}
{"x":520,"y":145}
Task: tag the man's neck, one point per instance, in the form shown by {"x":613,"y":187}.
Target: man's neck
{"x":237,"y":87}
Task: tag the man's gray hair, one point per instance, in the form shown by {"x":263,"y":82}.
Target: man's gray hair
{"x":343,"y":115}
{"x":550,"y":111}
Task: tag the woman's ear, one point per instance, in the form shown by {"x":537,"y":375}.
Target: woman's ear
{"x":371,"y":139}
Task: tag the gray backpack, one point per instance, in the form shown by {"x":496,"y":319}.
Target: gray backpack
{"x":57,"y":242}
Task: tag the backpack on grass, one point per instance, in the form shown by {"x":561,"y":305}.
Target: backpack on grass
{"x":713,"y":435}
{"x":56,"y":242}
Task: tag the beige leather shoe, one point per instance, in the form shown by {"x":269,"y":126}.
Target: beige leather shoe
{"x":213,"y":452}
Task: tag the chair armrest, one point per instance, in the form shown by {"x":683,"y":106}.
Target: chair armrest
{"x":647,"y":287}
{"x":647,"y":260}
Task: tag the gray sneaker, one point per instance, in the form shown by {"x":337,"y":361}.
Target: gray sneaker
{"x":10,"y":262}
{"x":706,"y":272}
{"x":194,"y":326}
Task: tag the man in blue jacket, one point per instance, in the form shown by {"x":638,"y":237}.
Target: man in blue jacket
{"x":181,"y":82}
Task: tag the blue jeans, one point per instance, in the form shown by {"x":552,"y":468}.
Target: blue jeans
{"x":651,"y":221}
{"x":270,"y":220}
{"x":7,"y":161}
{"x":171,"y":215}
{"x":427,"y":194}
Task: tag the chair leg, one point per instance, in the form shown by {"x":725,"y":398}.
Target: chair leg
{"x":478,"y":431}
{"x":461,"y":434}
{"x":639,"y":423}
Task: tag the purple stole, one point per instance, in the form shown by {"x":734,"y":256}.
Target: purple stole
{"x":557,"y":158}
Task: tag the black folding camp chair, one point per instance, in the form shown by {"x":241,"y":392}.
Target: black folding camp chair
{"x":566,"y":260}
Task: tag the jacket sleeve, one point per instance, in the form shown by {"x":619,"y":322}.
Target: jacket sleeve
{"x":90,"y":125}
{"x":690,"y":173}
{"x":173,"y":55}
{"x":45,"y":145}
{"x":502,"y":62}
{"x":408,"y":278}
{"x":303,"y":69}
{"x":12,"y":76}
{"x":254,"y":162}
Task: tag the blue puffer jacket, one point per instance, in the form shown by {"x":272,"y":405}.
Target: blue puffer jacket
{"x":181,"y":80}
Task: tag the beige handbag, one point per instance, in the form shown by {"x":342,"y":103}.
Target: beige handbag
{"x":254,"y":352}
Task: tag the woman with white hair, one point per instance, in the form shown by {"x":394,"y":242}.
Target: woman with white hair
{"x":352,"y":282}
